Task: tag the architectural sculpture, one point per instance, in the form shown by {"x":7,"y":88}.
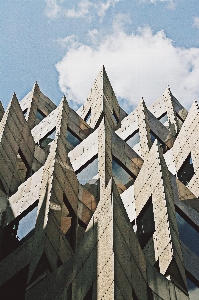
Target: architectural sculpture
{"x":98,"y":204}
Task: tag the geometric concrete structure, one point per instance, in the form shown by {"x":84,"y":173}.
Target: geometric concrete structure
{"x":98,"y":204}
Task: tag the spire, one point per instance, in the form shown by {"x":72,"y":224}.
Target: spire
{"x":35,"y":87}
{"x":101,"y":102}
{"x":143,"y":122}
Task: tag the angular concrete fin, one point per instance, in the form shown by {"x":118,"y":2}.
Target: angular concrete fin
{"x":31,"y":105}
{"x":43,"y":267}
{"x":178,"y":108}
{"x":101,"y":102}
{"x":40,"y":227}
{"x":15,"y":136}
{"x":144,"y":128}
{"x":49,"y":238}
{"x":1,"y":111}
{"x":58,"y":179}
{"x":13,"y":104}
{"x":117,"y":244}
{"x":167,"y":91}
{"x":59,"y":121}
{"x":171,"y":113}
{"x":187,"y":140}
{"x":176,"y":276}
{"x":36,"y":105}
{"x":59,"y":145}
{"x":63,"y":113}
{"x":104,"y":152}
{"x":36,"y":87}
{"x":154,"y":176}
{"x":194,"y":107}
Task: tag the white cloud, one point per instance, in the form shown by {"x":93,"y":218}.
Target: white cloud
{"x":68,"y":42}
{"x":119,"y":22}
{"x":104,"y":6}
{"x":171,"y":4}
{"x":83,"y":9}
{"x":138,"y":65}
{"x":196,"y":22}
{"x":93,"y":35}
{"x":52,"y":8}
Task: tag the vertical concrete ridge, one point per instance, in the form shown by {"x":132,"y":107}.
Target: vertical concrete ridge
{"x":173,"y":124}
{"x":101,"y":102}
{"x":154,"y":180}
{"x":144,"y":128}
{"x":36,"y":87}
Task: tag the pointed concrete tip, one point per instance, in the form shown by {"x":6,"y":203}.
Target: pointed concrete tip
{"x":142,"y":101}
{"x":167,"y":91}
{"x":13,"y":98}
{"x":103,"y":69}
{"x":195,"y":103}
{"x":193,"y":109}
{"x":35,"y":86}
{"x":64,"y":99}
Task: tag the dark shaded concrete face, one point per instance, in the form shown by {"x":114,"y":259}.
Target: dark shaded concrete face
{"x":186,"y":171}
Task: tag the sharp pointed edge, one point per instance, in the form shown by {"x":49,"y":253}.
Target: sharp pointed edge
{"x":63,"y":103}
{"x":196,"y":102}
{"x":194,"y":106}
{"x":36,"y":87}
{"x":103,"y":71}
{"x":1,"y":107}
{"x":14,"y":98}
{"x":63,"y":99}
{"x":167,"y":91}
{"x":142,"y":103}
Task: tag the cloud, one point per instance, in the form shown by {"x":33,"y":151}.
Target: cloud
{"x":93,"y":36}
{"x":52,"y":8}
{"x":104,"y":6}
{"x":196,"y":22}
{"x":141,"y":64}
{"x":68,"y":42}
{"x":84,"y":8}
{"x":171,"y":4}
{"x":82,"y":11}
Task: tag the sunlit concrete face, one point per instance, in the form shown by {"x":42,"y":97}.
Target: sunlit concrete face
{"x":98,"y":204}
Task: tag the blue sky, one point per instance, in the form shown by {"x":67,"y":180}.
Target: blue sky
{"x":144,"y":44}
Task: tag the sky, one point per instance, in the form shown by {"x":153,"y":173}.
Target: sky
{"x":145,"y":45}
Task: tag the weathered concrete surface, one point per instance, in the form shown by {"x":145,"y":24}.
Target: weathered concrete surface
{"x":86,"y":241}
